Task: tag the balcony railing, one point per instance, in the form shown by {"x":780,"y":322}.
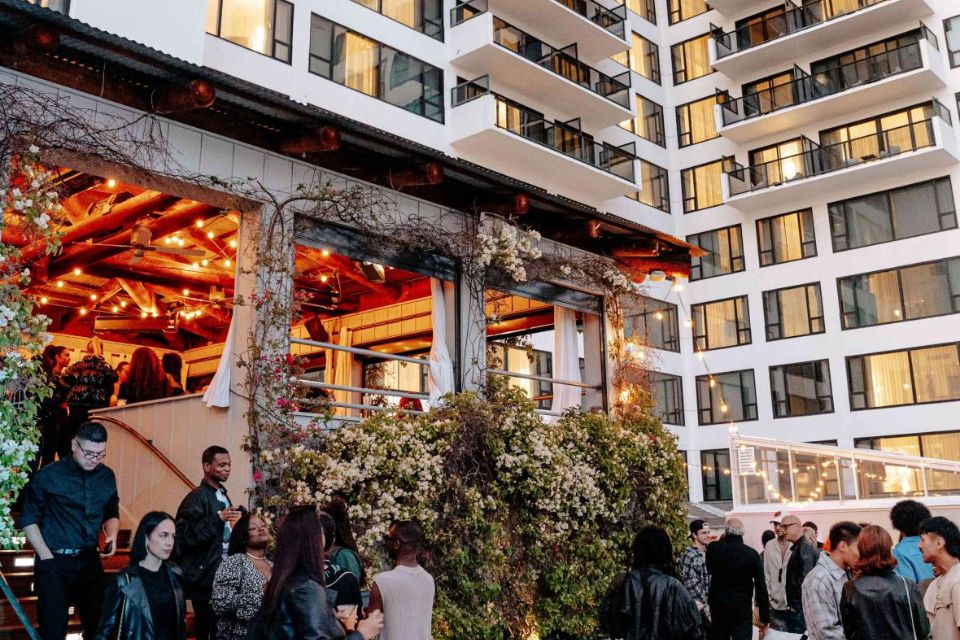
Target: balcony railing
{"x":563,"y":137}
{"x":811,"y":14}
{"x":612,"y":20}
{"x":562,"y":62}
{"x":819,"y":160}
{"x":808,"y":88}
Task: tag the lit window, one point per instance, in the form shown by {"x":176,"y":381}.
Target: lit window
{"x":264,"y":26}
{"x":667,"y":392}
{"x":702,"y":186}
{"x":648,"y":124}
{"x":912,"y":376}
{"x":646,"y":9}
{"x":801,"y":389}
{"x":696,"y":121}
{"x":60,"y":6}
{"x":720,"y":324}
{"x":654,"y":325}
{"x":425,"y":16}
{"x":725,"y":397}
{"x":786,"y":237}
{"x":654,"y":187}
{"x":793,"y":311}
{"x":691,"y":59}
{"x":725,"y":253}
{"x":643,"y":57}
{"x":715,"y":472}
{"x":683,"y":9}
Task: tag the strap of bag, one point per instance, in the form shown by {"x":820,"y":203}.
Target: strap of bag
{"x":906,"y":590}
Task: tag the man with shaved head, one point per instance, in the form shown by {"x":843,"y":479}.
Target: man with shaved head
{"x":736,"y":578}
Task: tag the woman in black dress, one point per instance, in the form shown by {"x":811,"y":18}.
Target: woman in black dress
{"x":145,"y":600}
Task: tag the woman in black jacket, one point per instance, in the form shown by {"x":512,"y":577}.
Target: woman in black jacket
{"x":296,"y":605}
{"x":145,"y":601}
{"x":648,"y":602}
{"x":879,"y":604}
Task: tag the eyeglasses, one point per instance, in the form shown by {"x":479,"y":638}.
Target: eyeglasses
{"x":92,"y":456}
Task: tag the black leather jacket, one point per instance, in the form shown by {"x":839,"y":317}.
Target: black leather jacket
{"x":127,"y":590}
{"x":91,"y":382}
{"x":649,"y":605}
{"x":303,"y":613}
{"x":200,"y":540}
{"x":878,"y":607}
{"x":803,"y":558}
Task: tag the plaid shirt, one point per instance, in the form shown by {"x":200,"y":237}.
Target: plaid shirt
{"x":694,"y":576}
{"x":821,"y":599}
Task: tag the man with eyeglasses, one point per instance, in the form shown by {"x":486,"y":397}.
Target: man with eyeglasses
{"x":803,"y":558}
{"x":64,"y":507}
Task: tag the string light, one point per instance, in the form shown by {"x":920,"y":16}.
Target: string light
{"x":204,"y":262}
{"x":210,"y":234}
{"x":233,"y":244}
{"x":143,"y":314}
{"x":325,"y":253}
{"x":83,"y":311}
{"x":324,"y":278}
{"x":186,"y":292}
{"x":199,"y":224}
{"x":115,"y":308}
{"x":227,"y":263}
{"x":43,"y":300}
{"x":111,"y":183}
{"x":123,"y":304}
{"x":93,"y":297}
{"x":59,"y":284}
{"x":77,"y":271}
{"x":195,"y":265}
{"x":658,"y":315}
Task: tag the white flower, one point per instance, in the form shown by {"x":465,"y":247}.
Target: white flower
{"x":34,"y":149}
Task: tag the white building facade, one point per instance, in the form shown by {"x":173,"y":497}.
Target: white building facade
{"x":811,"y":148}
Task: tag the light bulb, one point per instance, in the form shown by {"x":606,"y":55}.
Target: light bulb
{"x":186,"y":292}
{"x":59,"y":284}
{"x":143,"y":314}
{"x":713,"y":383}
{"x":227,"y":263}
{"x":43,"y":299}
{"x":325,"y":253}
{"x":199,"y":224}
{"x":658,"y":315}
{"x":197,"y":313}
{"x":196,"y":265}
{"x":204,"y":262}
{"x":210,"y":234}
{"x":324,"y":278}
{"x":115,"y":308}
{"x":723,"y":408}
{"x":83,"y":311}
{"x":77,"y":271}
{"x":154,"y":314}
{"x":233,"y":244}
{"x":93,"y":297}
{"x":123,"y":304}
{"x":111,"y":183}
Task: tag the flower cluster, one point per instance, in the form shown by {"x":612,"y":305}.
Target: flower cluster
{"x":34,"y":211}
{"x":506,"y":246}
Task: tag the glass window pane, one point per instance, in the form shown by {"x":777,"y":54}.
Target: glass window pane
{"x":643,"y":58}
{"x":702,"y":186}
{"x":691,"y":59}
{"x":697,"y":121}
{"x":936,"y":372}
{"x":887,"y":379}
{"x":915,"y":211}
{"x":248,"y":23}
{"x":926,"y":290}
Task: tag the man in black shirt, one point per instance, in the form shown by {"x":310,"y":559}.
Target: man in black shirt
{"x":736,"y":579}
{"x":204,"y":521}
{"x":64,"y":507}
{"x":803,"y":558}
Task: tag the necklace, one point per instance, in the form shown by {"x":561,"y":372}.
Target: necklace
{"x":255,"y":557}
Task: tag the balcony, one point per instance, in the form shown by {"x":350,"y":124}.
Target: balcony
{"x":780,"y":39}
{"x":598,"y":31}
{"x":858,"y":165}
{"x":488,"y":45}
{"x":734,"y":8}
{"x":557,"y":156}
{"x":916,"y":68}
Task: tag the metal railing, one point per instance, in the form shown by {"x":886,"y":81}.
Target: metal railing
{"x":820,"y":160}
{"x":810,"y":87}
{"x":770,"y":28}
{"x":564,"y":137}
{"x":612,"y":20}
{"x":548,"y":379}
{"x":364,"y":390}
{"x":767,"y":471}
{"x":562,"y":62}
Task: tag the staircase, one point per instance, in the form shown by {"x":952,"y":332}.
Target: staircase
{"x":17,"y":568}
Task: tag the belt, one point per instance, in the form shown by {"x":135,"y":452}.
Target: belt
{"x":71,"y":552}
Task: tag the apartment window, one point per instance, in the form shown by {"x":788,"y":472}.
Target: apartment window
{"x":801,"y":389}
{"x":715,"y":472}
{"x":884,"y":135}
{"x":355,"y":61}
{"x":884,"y":57}
{"x":951,"y":28}
{"x":696,"y":121}
{"x":691,"y":59}
{"x":702,"y":186}
{"x":726,"y":397}
{"x":646,"y":9}
{"x":769,"y":94}
{"x":654,"y":187}
{"x":943,"y":445}
{"x":648,"y":124}
{"x":725,"y":247}
{"x":667,"y":392}
{"x":60,"y":6}
{"x":643,"y":57}
{"x":793,"y":311}
{"x":683,"y":9}
{"x":761,"y":28}
{"x":720,"y":324}
{"x":778,"y":163}
{"x":425,"y":16}
{"x":910,"y":376}
{"x":264,"y":26}
{"x":786,"y":237}
{"x":914,"y":210}
{"x":905,"y":293}
{"x":655,"y":324}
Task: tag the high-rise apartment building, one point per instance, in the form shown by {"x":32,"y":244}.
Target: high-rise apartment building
{"x":810,"y":147}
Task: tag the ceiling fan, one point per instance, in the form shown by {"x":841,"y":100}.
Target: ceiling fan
{"x":140,"y":242}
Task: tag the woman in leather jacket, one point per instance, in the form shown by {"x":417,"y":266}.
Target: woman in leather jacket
{"x":296,"y":606}
{"x":145,"y":601}
{"x":648,"y":602}
{"x":879,"y":604}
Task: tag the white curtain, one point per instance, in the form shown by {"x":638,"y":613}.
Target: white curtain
{"x":218,"y":392}
{"x":343,"y":371}
{"x":566,"y":359}
{"x":440,"y":376}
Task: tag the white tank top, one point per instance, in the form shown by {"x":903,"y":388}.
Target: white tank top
{"x":407,"y":603}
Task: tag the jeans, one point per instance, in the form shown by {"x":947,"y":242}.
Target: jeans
{"x":724,"y":628}
{"x":64,"y":580}
{"x":779,"y":619}
{"x":795,"y":622}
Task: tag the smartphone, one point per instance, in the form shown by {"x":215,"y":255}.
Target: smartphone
{"x":107,"y":548}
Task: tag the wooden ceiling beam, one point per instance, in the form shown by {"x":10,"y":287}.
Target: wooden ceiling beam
{"x":156,"y":274}
{"x":177,"y":217}
{"x":141,"y":295}
{"x":118,"y":215}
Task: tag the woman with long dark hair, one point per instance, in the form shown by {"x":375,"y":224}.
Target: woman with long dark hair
{"x":879,"y":604}
{"x":172,"y":365}
{"x":145,"y":600}
{"x":146,"y":380}
{"x":344,"y":552}
{"x":648,"y":601}
{"x":343,"y":586}
{"x":241,"y":579}
{"x":296,"y":605}
{"x":53,"y":413}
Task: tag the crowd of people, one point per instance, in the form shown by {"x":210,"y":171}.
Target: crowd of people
{"x":212,"y":554}
{"x":855,"y":585}
{"x":91,"y":383}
